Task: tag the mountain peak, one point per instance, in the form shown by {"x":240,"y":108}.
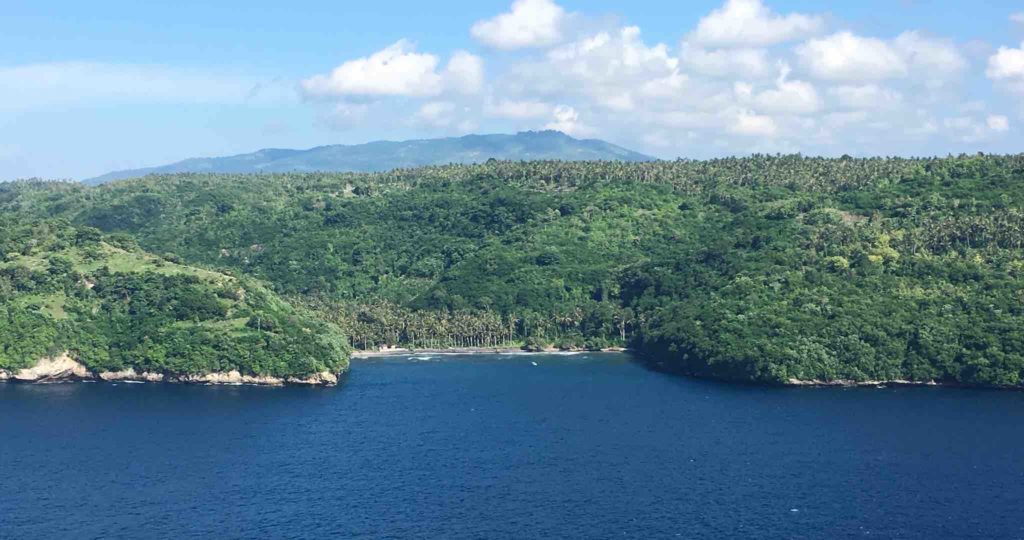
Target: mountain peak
{"x":386,"y":155}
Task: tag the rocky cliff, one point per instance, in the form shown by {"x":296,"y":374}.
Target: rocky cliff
{"x":64,"y":368}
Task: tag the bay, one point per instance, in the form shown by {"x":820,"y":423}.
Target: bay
{"x":494,"y":446}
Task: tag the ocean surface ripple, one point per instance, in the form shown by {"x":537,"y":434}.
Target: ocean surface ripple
{"x":509,"y":446}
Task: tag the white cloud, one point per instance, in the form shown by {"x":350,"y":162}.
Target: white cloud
{"x":567,"y":120}
{"x":845,"y":119}
{"x":791,"y":97}
{"x":968,"y":129}
{"x":749,"y":23}
{"x":518,"y":110}
{"x":625,"y":52}
{"x":788,"y":97}
{"x":714,"y":91}
{"x":998,"y":123}
{"x":610,"y":68}
{"x":743,"y":62}
{"x":1007,"y":66}
{"x":972,"y":129}
{"x":744,"y":91}
{"x":847,"y":57}
{"x":1017,"y":17}
{"x":932,"y":60}
{"x":729,"y":96}
{"x":960,"y":123}
{"x":398,"y":70}
{"x":868,"y":96}
{"x":436,"y":114}
{"x":465,"y":73}
{"x":346,"y":115}
{"x":530,"y":23}
{"x":394,"y":71}
{"x":925,"y":128}
{"x":750,"y":124}
{"x":669,"y":87}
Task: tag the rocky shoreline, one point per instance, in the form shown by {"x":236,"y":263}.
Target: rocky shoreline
{"x":661,"y":366}
{"x":64,"y":369}
{"x":399,"y":351}
{"x":895,"y":383}
{"x":859,"y":384}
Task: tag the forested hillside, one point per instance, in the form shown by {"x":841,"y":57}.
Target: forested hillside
{"x":768,"y":268}
{"x":113,"y":307}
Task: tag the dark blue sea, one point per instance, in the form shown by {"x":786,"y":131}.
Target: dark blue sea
{"x":452,"y":447}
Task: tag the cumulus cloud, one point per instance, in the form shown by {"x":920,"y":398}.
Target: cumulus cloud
{"x":845,"y":56}
{"x":346,"y":115}
{"x":998,"y":123}
{"x":788,"y":97}
{"x":436,"y":113}
{"x":465,"y":73}
{"x":1007,"y":66}
{"x":716,"y":88}
{"x":666,"y":88}
{"x":567,"y":120}
{"x":530,"y":23}
{"x":397,"y":70}
{"x":727,"y":86}
{"x":748,"y":123}
{"x":845,"y":119}
{"x":741,"y":62}
{"x":749,"y":23}
{"x":1007,"y":63}
{"x":610,"y":68}
{"x":971,"y":129}
{"x":932,"y":60}
{"x":868,"y":96}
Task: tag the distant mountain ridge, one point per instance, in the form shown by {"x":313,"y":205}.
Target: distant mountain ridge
{"x":386,"y":155}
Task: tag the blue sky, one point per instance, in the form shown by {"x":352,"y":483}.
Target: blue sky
{"x":90,"y":87}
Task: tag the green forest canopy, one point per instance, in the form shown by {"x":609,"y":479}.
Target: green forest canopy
{"x":114,"y":307}
{"x":767,"y":268}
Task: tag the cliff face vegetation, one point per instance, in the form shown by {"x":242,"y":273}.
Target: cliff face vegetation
{"x":72,"y":292}
{"x":768,"y":268}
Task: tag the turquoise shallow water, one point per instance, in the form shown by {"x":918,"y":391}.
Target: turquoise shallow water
{"x":491,"y":446}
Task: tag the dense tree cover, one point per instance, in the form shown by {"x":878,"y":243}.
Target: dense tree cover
{"x":113,"y":307}
{"x":766,"y":268}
